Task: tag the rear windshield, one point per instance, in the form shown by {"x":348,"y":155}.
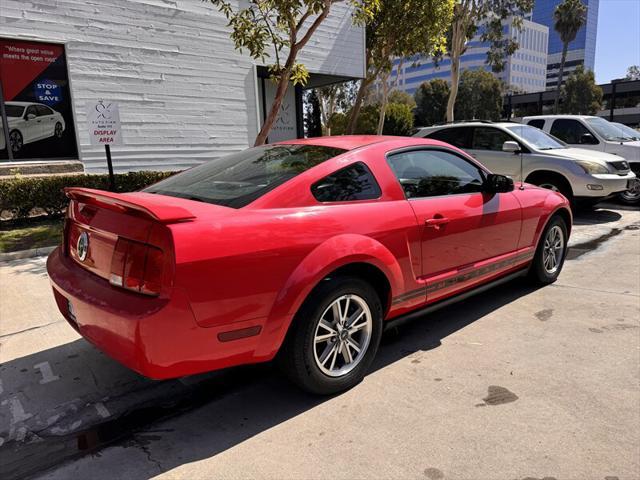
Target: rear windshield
{"x":239,"y":179}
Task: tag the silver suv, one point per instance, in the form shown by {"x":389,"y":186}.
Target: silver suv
{"x":583,"y":176}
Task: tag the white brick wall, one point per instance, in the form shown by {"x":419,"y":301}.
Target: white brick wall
{"x":185,"y":94}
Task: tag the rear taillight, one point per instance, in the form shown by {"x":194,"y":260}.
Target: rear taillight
{"x":137,"y":266}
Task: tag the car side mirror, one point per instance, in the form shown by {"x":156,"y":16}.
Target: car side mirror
{"x":498,"y":183}
{"x":511,"y":147}
{"x":588,"y":139}
{"x":30,"y":116}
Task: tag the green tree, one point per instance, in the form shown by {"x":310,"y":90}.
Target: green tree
{"x":467,"y":16}
{"x":398,"y":120}
{"x":568,"y":17}
{"x":431,"y":102}
{"x":312,"y":121}
{"x":479,"y":97}
{"x":336,"y":98}
{"x":400,"y":28}
{"x":582,"y":96}
{"x":283,"y":27}
{"x":633,"y":73}
{"x":398,"y":96}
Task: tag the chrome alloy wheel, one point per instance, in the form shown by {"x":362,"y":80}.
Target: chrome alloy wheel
{"x":58,"y":130}
{"x":633,"y":193}
{"x":553,"y":249}
{"x":342,"y":335}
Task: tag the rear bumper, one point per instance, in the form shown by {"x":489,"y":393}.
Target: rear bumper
{"x":156,"y":337}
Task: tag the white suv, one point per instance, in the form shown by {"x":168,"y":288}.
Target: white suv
{"x":583,"y":176}
{"x":595,"y":133}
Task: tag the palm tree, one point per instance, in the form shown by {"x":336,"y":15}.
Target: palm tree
{"x":569,"y":17}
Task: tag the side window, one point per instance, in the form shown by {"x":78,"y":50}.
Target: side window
{"x":457,"y":136}
{"x":42,"y":110}
{"x":568,"y":130}
{"x":31,"y":110}
{"x":430,"y":173}
{"x":355,"y":182}
{"x":485,"y":138}
{"x":538,"y":123}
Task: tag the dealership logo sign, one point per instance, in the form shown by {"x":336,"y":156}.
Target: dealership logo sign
{"x":48,"y":92}
{"x":103,"y":118}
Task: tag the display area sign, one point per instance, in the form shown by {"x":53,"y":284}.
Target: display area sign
{"x":103,"y":119}
{"x":36,"y":101}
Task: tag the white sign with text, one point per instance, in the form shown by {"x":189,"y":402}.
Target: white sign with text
{"x":103,"y":119}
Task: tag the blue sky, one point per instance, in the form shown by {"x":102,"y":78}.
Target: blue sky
{"x":618,"y":40}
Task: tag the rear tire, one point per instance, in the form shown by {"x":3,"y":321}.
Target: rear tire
{"x":315,"y":356}
{"x":550,"y":253}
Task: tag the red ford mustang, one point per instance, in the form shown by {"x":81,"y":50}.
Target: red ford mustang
{"x":305,"y":250}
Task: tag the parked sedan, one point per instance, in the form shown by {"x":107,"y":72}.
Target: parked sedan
{"x":583,"y":176}
{"x":301,"y":251}
{"x":30,"y":122}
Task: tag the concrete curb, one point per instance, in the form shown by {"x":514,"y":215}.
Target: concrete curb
{"x":33,"y":252}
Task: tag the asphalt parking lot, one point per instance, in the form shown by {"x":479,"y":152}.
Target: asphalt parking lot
{"x":517,"y":383}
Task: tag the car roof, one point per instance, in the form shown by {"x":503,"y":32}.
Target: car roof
{"x":470,"y":123}
{"x":346,"y":142}
{"x":22,"y":104}
{"x":544,"y":117}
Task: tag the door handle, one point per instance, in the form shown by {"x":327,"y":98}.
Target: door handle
{"x":436,"y":222}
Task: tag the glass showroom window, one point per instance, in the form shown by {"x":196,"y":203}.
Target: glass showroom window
{"x":37,"y":114}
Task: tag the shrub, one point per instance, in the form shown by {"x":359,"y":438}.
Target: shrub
{"x":21,"y":197}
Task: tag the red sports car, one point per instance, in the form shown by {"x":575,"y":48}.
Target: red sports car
{"x":303,"y":250}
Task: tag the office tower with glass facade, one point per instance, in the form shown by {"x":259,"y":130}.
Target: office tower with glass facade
{"x":582,"y":51}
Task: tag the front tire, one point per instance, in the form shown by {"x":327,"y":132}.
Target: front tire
{"x":632,"y":195}
{"x":334,"y":337}
{"x":550,"y":253}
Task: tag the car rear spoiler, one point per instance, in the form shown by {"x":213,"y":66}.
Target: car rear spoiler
{"x":146,"y":204}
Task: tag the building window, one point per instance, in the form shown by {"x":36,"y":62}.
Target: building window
{"x":37,"y":102}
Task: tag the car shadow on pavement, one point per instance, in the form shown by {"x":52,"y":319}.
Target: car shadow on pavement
{"x":232,"y":405}
{"x":595,"y":217}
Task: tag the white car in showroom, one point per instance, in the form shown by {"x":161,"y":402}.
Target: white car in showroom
{"x":595,"y":133}
{"x":29,"y":122}
{"x":583,"y":176}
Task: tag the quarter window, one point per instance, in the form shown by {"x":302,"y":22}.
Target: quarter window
{"x":355,"y":182}
{"x":538,"y":123}
{"x":489,"y":139}
{"x":568,"y":130}
{"x":457,"y":136}
{"x":430,"y":173}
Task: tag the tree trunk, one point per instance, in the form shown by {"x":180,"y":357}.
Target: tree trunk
{"x":383,"y":105}
{"x":283,"y":84}
{"x":285,"y":74}
{"x":556,"y":103}
{"x":453,"y":93}
{"x":355,"y":111}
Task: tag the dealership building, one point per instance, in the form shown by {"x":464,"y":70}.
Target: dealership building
{"x":167,"y":67}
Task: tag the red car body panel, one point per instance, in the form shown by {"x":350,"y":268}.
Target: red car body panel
{"x":233,"y":279}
